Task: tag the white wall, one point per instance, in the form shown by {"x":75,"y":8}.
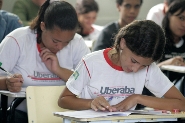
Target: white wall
{"x":108,"y":11}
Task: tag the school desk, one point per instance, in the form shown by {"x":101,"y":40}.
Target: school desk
{"x":173,"y":68}
{"x":122,"y":119}
{"x":19,"y":97}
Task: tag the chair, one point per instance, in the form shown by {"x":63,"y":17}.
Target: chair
{"x":42,"y":102}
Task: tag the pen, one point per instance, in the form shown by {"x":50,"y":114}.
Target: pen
{"x":8,"y":73}
{"x":110,"y":98}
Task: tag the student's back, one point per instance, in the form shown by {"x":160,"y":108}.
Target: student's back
{"x":27,"y":9}
{"x":8,"y":22}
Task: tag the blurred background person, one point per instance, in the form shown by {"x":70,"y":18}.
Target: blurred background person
{"x":128,"y":12}
{"x":27,"y":9}
{"x":157,"y":12}
{"x":8,"y":22}
{"x":174,"y":27}
{"x":87,"y":11}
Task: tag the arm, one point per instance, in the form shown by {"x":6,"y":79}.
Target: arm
{"x":178,"y":61}
{"x":9,"y":49}
{"x":69,"y":100}
{"x":173,"y":99}
{"x":51,"y":61}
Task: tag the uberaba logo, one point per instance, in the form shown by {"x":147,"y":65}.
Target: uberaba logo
{"x":123,"y":90}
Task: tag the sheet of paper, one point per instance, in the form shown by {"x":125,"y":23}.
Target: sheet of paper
{"x":90,"y":114}
{"x":8,"y":92}
{"x":180,"y":69}
{"x":93,"y":114}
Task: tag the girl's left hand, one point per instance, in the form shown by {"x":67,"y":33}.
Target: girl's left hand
{"x":50,"y":60}
{"x":127,"y":103}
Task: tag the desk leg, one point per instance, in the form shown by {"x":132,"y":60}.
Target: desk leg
{"x":4,"y":105}
{"x":13,"y":105}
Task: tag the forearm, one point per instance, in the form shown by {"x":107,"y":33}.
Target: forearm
{"x":64,"y":73}
{"x":74,"y":103}
{"x":161,"y":63}
{"x":3,"y":85}
{"x":161,"y":103}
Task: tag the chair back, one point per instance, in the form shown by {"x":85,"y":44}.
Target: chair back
{"x":42,"y":102}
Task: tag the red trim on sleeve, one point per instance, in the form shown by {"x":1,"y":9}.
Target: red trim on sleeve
{"x":15,"y":40}
{"x":87,"y":69}
{"x":105,"y":53}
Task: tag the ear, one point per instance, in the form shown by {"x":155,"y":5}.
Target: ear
{"x":122,"y":43}
{"x":42,"y":26}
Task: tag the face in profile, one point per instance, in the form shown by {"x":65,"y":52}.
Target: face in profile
{"x":56,"y":39}
{"x":87,"y":19}
{"x":177,"y":23}
{"x":129,"y":10}
{"x":131,"y":62}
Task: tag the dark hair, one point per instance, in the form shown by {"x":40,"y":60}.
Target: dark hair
{"x":144,"y":38}
{"x":59,"y":14}
{"x":119,"y":2}
{"x":86,"y":6}
{"x":173,"y":8}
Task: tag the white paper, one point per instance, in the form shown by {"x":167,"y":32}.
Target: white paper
{"x":180,"y":69}
{"x":93,"y":114}
{"x":8,"y":92}
{"x":90,"y":114}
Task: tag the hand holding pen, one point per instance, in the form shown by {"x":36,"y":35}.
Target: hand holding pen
{"x":13,"y":82}
{"x":100,"y":103}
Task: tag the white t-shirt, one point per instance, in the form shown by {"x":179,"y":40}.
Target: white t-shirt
{"x":156,"y":13}
{"x":19,"y":54}
{"x":94,"y":35}
{"x":96,"y":76}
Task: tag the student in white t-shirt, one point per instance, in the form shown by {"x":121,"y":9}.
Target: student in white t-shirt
{"x":174,"y":27}
{"x":87,"y":11}
{"x":157,"y":12}
{"x":113,"y":79}
{"x":45,"y":53}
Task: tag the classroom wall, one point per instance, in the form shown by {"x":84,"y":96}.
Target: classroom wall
{"x":108,"y":11}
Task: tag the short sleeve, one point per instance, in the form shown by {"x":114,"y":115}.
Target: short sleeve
{"x":79,"y":79}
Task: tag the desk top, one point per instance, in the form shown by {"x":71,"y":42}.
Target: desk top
{"x":179,"y":69}
{"x":22,"y":93}
{"x":132,"y":116}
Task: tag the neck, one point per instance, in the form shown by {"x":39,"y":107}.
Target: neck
{"x":176,"y":39}
{"x":87,"y":30}
{"x":121,"y":23}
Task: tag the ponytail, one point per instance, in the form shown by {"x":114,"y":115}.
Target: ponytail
{"x":35,"y":25}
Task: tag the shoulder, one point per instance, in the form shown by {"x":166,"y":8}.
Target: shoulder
{"x":23,"y":2}
{"x":97,"y":27}
{"x":94,"y":56}
{"x":111,"y":28}
{"x":22,"y":33}
{"x":157,"y":8}
{"x":9,"y":16}
{"x":112,"y":25}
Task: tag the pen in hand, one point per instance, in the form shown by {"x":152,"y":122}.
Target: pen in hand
{"x":110,"y":98}
{"x":8,"y":73}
